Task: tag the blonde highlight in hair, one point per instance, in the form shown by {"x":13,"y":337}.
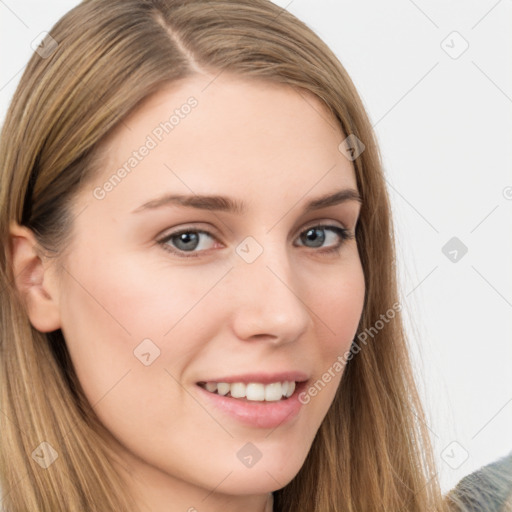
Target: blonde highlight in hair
{"x":372,"y":450}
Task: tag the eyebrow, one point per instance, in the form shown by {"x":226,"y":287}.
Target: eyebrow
{"x":227,"y":204}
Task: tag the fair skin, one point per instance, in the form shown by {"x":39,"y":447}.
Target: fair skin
{"x":294,"y":308}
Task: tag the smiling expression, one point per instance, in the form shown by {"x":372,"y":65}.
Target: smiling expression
{"x":169,"y":295}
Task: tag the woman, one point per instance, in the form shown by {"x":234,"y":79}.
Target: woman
{"x":199,"y":305}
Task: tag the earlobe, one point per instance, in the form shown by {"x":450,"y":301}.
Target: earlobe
{"x":34,"y":279}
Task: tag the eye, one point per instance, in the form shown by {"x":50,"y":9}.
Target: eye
{"x":195,"y":241}
{"x":186,"y":240}
{"x":316,"y":236}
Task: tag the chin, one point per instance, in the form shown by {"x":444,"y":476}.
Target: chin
{"x":257,"y":482}
{"x":273,"y":471}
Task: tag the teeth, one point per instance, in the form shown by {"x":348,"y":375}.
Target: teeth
{"x":223,"y":388}
{"x":238,"y":390}
{"x":274,"y":391}
{"x":256,"y":392}
{"x":290,"y":390}
{"x":253,"y":391}
{"x":211,"y":387}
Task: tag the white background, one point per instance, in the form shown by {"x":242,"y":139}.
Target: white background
{"x":444,"y":125}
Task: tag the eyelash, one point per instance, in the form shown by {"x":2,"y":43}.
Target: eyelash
{"x":343,"y":233}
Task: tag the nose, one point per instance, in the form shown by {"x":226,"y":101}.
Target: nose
{"x":267,"y":301}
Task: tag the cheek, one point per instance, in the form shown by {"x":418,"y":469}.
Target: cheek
{"x":130,"y":297}
{"x":338,"y":305}
{"x":114,"y":318}
{"x":112,"y":306}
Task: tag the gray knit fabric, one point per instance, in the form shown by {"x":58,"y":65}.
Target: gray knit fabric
{"x":487,"y":490}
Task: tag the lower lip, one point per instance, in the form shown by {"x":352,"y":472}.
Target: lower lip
{"x":258,"y":414}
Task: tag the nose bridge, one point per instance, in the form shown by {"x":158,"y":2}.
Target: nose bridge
{"x":266,"y":300}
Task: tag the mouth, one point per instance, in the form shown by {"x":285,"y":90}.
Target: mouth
{"x":269,"y":404}
{"x":258,"y":399}
{"x":252,"y":391}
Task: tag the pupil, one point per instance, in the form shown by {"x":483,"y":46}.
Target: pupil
{"x":186,"y":238}
{"x":316,"y":235}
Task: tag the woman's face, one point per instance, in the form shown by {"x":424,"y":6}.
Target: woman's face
{"x":162,"y":295}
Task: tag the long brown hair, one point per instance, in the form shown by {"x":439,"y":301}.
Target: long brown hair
{"x":372,"y":451}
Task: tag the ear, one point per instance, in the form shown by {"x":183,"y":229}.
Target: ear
{"x":34,"y":279}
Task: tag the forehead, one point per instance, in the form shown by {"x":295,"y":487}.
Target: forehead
{"x":226,"y":134}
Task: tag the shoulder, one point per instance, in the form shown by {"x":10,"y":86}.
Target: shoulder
{"x":488,"y":489}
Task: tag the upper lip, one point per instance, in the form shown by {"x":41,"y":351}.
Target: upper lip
{"x":263,"y":378}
